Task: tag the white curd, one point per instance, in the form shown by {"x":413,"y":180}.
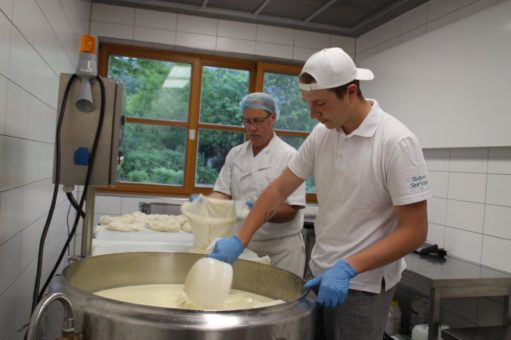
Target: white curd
{"x":172,"y":296}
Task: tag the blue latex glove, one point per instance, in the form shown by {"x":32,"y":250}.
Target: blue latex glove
{"x":334,"y":284}
{"x":227,"y":249}
{"x":193,"y":197}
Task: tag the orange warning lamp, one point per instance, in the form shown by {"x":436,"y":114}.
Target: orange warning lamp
{"x":88,"y":44}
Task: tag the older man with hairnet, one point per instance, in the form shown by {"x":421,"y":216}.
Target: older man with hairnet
{"x":249,"y":168}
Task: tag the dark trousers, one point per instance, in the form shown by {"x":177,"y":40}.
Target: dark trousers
{"x":362,"y":316}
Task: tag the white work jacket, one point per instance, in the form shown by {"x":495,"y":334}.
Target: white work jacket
{"x":244,"y":177}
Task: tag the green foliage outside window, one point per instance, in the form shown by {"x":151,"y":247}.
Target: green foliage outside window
{"x":294,"y":113}
{"x":153,"y":154}
{"x":150,"y":89}
{"x":221,"y":92}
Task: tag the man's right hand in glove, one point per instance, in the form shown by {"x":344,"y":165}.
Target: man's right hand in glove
{"x":334,"y":284}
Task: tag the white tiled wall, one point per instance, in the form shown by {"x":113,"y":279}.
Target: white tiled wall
{"x":38,"y":40}
{"x":470,"y":216}
{"x":475,"y":210}
{"x":170,"y":30}
{"x":427,"y":17}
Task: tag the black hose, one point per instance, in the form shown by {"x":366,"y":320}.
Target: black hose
{"x":46,"y":227}
{"x":75,"y":205}
{"x":85,"y":188}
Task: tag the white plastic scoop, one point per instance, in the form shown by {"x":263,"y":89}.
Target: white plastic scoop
{"x":208,"y":283}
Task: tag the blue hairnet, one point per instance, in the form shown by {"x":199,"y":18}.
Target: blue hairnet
{"x":260,"y":100}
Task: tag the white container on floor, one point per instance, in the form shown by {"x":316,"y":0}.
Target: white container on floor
{"x":420,"y":332}
{"x":419,"y":311}
{"x":393,"y":325}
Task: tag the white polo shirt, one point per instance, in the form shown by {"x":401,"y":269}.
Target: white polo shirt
{"x":244,"y":177}
{"x":359,"y":178}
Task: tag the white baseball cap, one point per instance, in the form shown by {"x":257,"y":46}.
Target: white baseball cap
{"x":332,"y":67}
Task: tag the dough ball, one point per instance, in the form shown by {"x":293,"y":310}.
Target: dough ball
{"x":123,"y":226}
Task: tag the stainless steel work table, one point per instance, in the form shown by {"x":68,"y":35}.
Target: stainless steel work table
{"x":453,"y":278}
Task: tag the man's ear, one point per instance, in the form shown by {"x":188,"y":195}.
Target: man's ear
{"x":352,"y":90}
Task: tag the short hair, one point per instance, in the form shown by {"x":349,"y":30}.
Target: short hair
{"x":306,"y":78}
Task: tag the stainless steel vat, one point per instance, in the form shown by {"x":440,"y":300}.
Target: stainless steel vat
{"x":100,"y":318}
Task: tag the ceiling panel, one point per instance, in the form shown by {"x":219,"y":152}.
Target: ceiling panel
{"x":342,"y":17}
{"x":298,"y":10}
{"x":196,"y":3}
{"x":243,"y":6}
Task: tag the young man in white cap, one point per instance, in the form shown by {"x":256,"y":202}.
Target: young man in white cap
{"x":247,"y":171}
{"x":372,"y":187}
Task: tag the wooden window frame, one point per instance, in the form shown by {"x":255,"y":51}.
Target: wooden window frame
{"x":197,"y":61}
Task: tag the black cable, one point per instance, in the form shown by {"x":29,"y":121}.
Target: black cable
{"x":75,"y":205}
{"x":72,"y":204}
{"x":85,"y":187}
{"x":46,"y":227}
{"x":68,"y":227}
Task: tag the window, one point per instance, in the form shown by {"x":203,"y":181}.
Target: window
{"x":221,"y":90}
{"x":182,"y":115}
